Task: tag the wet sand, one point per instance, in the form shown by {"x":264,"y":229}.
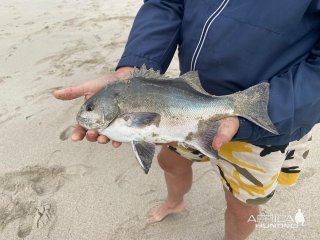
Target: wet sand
{"x":51,"y":188}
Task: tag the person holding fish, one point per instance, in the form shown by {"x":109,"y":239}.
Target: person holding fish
{"x":241,"y":62}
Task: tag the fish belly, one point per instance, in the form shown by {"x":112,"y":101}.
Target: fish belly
{"x":164,"y":133}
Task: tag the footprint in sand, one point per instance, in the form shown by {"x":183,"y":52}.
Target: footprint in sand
{"x":77,"y":55}
{"x":124,"y":181}
{"x":3,"y":78}
{"x":26,"y":196}
{"x":6,"y":116}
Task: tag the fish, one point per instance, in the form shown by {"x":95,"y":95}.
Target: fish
{"x":148,"y":108}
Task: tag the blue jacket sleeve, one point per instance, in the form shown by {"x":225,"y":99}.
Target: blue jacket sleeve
{"x":154,"y":35}
{"x":294,"y":101}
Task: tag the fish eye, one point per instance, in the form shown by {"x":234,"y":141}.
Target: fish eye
{"x":89,"y":107}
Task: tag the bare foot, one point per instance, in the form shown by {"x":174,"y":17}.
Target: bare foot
{"x":157,"y":214}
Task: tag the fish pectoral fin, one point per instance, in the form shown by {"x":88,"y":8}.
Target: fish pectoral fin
{"x":205,"y":142}
{"x":144,"y":153}
{"x":141,"y":119}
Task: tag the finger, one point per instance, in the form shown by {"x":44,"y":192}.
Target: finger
{"x":226,"y":132}
{"x":87,"y":96}
{"x":78,"y":133}
{"x":229,"y":127}
{"x":116,"y":144}
{"x":92,"y":136}
{"x":103,"y":139}
{"x":219,"y":141}
{"x":70,"y":92}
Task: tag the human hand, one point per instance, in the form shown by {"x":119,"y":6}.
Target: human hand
{"x":88,"y":89}
{"x":227,"y":130}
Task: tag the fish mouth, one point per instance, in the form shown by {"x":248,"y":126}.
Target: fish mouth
{"x":81,"y":121}
{"x":92,"y":126}
{"x":96,"y":125}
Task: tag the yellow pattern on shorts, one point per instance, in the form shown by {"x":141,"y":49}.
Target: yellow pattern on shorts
{"x":240,"y":147}
{"x":252,"y":172}
{"x":236,"y":184}
{"x":288,"y":179}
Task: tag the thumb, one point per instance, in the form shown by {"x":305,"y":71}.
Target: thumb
{"x":228,"y":128}
{"x":70,"y":92}
{"x":220,"y":140}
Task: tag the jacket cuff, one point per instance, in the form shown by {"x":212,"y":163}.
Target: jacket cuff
{"x":137,"y":61}
{"x":245,"y":131}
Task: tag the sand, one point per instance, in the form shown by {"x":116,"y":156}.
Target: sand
{"x":52,"y":188}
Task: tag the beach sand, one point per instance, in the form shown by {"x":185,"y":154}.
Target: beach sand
{"x":52,"y":188}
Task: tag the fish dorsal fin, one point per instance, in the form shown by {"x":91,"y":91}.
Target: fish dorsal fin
{"x":147,"y":73}
{"x":144,"y":153}
{"x":192,"y":78}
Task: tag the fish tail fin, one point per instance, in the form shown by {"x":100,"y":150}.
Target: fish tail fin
{"x":252,"y":104}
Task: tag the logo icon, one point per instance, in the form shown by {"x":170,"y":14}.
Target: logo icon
{"x":299,"y":218}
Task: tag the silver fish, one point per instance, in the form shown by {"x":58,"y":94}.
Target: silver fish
{"x":149,"y":108}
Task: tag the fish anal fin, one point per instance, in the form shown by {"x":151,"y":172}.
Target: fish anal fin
{"x":144,"y":153}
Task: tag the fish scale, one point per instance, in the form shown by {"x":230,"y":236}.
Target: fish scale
{"x":149,"y":108}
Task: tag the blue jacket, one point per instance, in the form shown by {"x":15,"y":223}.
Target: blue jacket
{"x":235,"y":44}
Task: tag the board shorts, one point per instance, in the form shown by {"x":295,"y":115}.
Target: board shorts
{"x":251,"y":172}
